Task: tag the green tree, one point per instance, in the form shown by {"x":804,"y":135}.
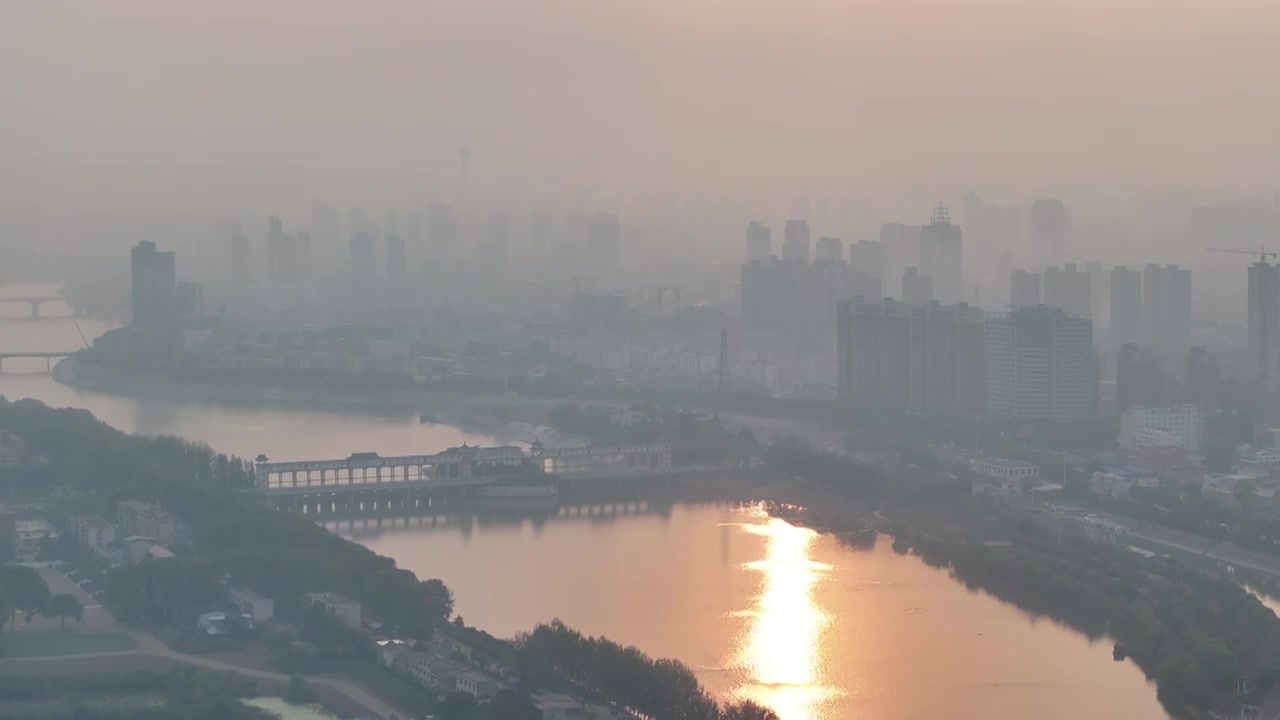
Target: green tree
{"x":457,"y":705}
{"x":748,"y":710}
{"x":6,"y":610}
{"x":25,"y":588}
{"x":508,"y":704}
{"x":63,"y":606}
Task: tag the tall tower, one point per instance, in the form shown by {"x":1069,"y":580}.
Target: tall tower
{"x":795,"y":241}
{"x":1024,"y":288}
{"x":1126,"y":305}
{"x":759,"y":241}
{"x":1166,"y":308}
{"x":1264,"y":315}
{"x":942,"y":256}
{"x":154,"y":288}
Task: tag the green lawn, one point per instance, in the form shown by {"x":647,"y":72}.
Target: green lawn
{"x":57,"y":642}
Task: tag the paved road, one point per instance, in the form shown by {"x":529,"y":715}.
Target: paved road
{"x":97,"y":619}
{"x":1219,"y":550}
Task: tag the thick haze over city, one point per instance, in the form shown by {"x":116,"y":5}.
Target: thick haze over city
{"x":126,"y":115}
{"x":616,"y":359}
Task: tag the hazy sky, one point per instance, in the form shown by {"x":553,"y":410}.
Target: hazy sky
{"x":766,"y":97}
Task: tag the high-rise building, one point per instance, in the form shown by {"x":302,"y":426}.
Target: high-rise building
{"x":798,"y":300}
{"x":1166,"y":308}
{"x":942,"y":256}
{"x":1126,"y":305}
{"x":829,"y":249}
{"x":326,"y":233}
{"x":395,"y":261}
{"x":364,"y":262}
{"x":795,"y":241}
{"x":1049,"y":222}
{"x":1069,"y":288}
{"x":901,"y":244}
{"x":281,"y":252}
{"x":1143,"y":378}
{"x":1182,"y":426}
{"x":992,"y":229}
{"x":759,"y":241}
{"x":359,"y":221}
{"x":154,"y":288}
{"x":604,"y":242}
{"x":1099,"y":293}
{"x":1024,"y":288}
{"x":240,"y":263}
{"x":917,"y":289}
{"x":867,"y":257}
{"x":392,"y":222}
{"x":910,"y":358}
{"x":190,"y":298}
{"x":302,"y":255}
{"x":1202,"y":381}
{"x":1041,"y":364}
{"x":1264,"y":317}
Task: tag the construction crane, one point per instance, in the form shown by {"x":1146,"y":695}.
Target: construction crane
{"x":1261,"y":254}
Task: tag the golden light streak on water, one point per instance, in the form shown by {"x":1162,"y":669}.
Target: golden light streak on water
{"x":780,"y":653}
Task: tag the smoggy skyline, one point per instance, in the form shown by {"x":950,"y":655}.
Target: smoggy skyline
{"x":664,"y":97}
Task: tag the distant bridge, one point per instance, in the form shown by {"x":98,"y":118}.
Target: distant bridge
{"x":49,"y":357}
{"x":455,"y":470}
{"x":35,"y":301}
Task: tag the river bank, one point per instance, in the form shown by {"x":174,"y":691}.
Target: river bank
{"x":510,"y":419}
{"x":515,"y":418}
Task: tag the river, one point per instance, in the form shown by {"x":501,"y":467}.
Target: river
{"x":759,"y":608}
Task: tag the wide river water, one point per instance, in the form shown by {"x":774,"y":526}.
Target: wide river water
{"x":757,"y":607}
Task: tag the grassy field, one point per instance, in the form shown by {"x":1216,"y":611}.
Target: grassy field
{"x":57,"y":642}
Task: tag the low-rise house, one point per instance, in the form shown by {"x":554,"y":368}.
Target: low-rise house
{"x":1006,"y":469}
{"x":152,"y":521}
{"x":339,"y":606}
{"x":94,"y":533}
{"x":138,"y":548}
{"x":482,"y":685}
{"x":260,"y":608}
{"x":427,"y":670}
{"x":213,"y":623}
{"x":1110,"y":485}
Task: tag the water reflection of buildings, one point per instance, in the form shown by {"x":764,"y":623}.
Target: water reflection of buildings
{"x":780,"y":652}
{"x":472,"y":516}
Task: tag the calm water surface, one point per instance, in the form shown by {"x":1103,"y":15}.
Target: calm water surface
{"x":759,"y":608}
{"x":765,"y":610}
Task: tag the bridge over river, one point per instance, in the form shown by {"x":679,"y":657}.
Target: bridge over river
{"x":368,"y":475}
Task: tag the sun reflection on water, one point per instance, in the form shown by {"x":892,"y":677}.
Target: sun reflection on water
{"x":780,"y":651}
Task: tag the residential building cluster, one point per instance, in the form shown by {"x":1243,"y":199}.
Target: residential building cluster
{"x":149,"y":520}
{"x":1033,"y":362}
{"x":14,"y":453}
{"x":141,"y":530}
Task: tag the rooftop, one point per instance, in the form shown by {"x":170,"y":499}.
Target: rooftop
{"x":1006,"y":463}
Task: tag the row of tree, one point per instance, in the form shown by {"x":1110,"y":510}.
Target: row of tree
{"x":23,"y":591}
{"x":282,"y":556}
{"x":1198,"y":636}
{"x":554,"y":654}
